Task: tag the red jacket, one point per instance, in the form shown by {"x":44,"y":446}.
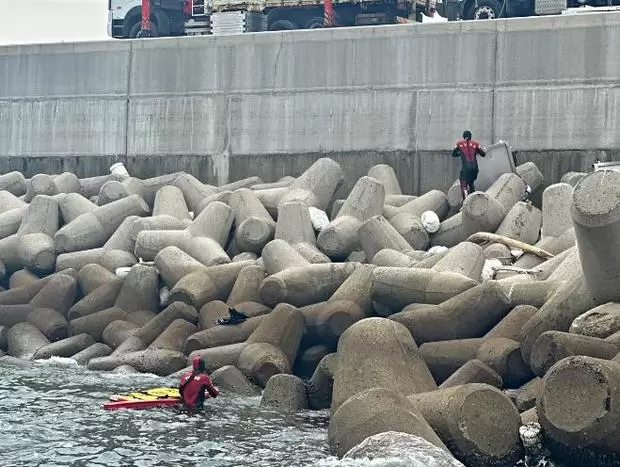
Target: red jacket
{"x":193,"y":386}
{"x":467,"y":151}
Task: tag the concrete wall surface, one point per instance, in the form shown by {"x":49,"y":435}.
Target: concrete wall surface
{"x":269,"y":104}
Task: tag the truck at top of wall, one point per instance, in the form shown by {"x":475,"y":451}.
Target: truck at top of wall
{"x":202,"y":17}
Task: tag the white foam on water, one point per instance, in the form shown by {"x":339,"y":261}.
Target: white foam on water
{"x":54,"y":360}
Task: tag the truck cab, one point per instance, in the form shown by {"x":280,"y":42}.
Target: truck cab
{"x":167,"y":17}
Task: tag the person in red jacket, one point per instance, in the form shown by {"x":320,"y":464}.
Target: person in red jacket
{"x":467,"y":149}
{"x":194,"y":384}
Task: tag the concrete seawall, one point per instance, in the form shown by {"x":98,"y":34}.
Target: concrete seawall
{"x":225,"y":107}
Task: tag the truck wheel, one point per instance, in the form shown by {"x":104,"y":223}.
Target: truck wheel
{"x":314,"y":23}
{"x":282,"y":25}
{"x":136,"y":31}
{"x":486,"y":9}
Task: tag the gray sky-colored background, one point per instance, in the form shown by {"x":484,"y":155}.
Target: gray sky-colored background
{"x":37,"y":21}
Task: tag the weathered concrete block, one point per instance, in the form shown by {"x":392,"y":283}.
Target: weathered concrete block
{"x":174,"y":336}
{"x":553,"y":346}
{"x":213,"y":283}
{"x":469,"y":314}
{"x":177,"y":310}
{"x":308,"y":360}
{"x":93,"y":276}
{"x":93,"y":229}
{"x":230,"y":379}
{"x":317,"y":185}
{"x":285,"y":393}
{"x":558,"y":313}
{"x":218,"y":357}
{"x":522,"y":223}
{"x":161,"y":362}
{"x":466,"y":258}
{"x":510,"y":327}
{"x":73,"y":205}
{"x":294,"y":224}
{"x":508,"y":189}
{"x":194,"y":191}
{"x":373,"y":411}
{"x":93,"y":351}
{"x":11,"y":220}
{"x":140,"y":290}
{"x":473,"y":371}
{"x":504,"y":356}
{"x":131,"y":344}
{"x":434,"y":200}
{"x":50,"y":322}
{"x":393,"y":258}
{"x":111,"y":191}
{"x":398,"y":287}
{"x":339,"y":238}
{"x":527,"y":395}
{"x":533,"y":293}
{"x":99,"y":299}
{"x":595,"y":211}
{"x":95,"y":323}
{"x":386,"y":175}
{"x":24,"y":340}
{"x":254,"y":226}
{"x":141,"y":317}
{"x":260,"y":361}
{"x":602,"y":321}
{"x":389,"y":356}
{"x":65,"y":347}
{"x":578,"y":410}
{"x":169,"y":200}
{"x":291,"y":285}
{"x":410,"y":227}
{"x":10,"y":315}
{"x":222,"y":335}
{"x":118,"y":332}
{"x":282,"y":328}
{"x":58,"y":293}
{"x":531,"y":175}
{"x":278,"y":256}
{"x":477,"y":422}
{"x":247,"y":285}
{"x":556,"y":201}
{"x":497,"y":251}
{"x":14,"y":183}
{"x":214,"y":222}
{"x":211,"y":312}
{"x":376,"y":233}
{"x":445,"y":357}
{"x":320,"y":385}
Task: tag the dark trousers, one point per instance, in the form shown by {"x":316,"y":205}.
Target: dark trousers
{"x":467,"y":179}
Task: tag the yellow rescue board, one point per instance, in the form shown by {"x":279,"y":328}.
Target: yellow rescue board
{"x":148,"y":394}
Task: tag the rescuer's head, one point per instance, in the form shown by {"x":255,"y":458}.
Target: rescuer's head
{"x":467,"y":135}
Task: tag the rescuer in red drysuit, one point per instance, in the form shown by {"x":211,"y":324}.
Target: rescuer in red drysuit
{"x":194,"y":383}
{"x":467,"y":149}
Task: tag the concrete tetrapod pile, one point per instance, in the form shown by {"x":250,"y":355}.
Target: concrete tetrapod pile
{"x":395,"y":322}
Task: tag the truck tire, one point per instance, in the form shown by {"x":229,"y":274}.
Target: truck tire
{"x":135,"y":31}
{"x":486,"y":9}
{"x":314,"y":23}
{"x":282,"y":25}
